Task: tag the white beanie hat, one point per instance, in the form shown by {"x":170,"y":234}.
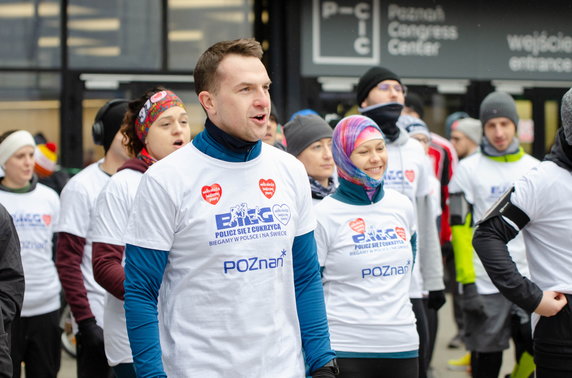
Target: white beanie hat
{"x":13,"y":143}
{"x":472,"y":128}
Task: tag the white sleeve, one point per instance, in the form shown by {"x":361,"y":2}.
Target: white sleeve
{"x":321,"y":242}
{"x":111,"y":215}
{"x":526,"y":195}
{"x":461,"y":182}
{"x":75,"y":210}
{"x":306,"y":218}
{"x":152,"y":221}
{"x":425,"y":172}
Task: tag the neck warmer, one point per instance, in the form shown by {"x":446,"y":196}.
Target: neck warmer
{"x":345,"y":135}
{"x":234,"y":144}
{"x":216,"y":143}
{"x":386,"y":116}
{"x":146,"y":158}
{"x":561,"y":152}
{"x":353,"y":194}
{"x":318,"y":191}
{"x":488,"y":149}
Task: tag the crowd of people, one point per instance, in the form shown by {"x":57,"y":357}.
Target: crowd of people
{"x":257,"y":249}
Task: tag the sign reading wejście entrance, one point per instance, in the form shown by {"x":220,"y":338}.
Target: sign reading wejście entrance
{"x":444,"y":39}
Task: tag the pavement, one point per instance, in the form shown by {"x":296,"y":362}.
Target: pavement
{"x":447,"y":330}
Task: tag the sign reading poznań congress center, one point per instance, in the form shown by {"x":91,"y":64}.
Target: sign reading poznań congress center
{"x":509,"y":39}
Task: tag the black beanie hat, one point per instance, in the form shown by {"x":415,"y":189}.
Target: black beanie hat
{"x":498,"y":104}
{"x":112,"y":120}
{"x":302,"y":131}
{"x":370,"y":79}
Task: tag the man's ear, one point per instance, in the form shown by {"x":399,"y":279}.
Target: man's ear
{"x":207,"y":101}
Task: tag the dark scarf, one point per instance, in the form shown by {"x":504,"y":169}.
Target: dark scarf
{"x":386,"y":116}
{"x":561,"y":152}
{"x":318,"y":191}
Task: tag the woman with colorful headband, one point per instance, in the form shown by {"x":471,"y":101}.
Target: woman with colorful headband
{"x":35,"y":208}
{"x":366,"y":247}
{"x":155,"y":125}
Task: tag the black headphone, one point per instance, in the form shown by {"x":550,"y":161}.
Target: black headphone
{"x":98,"y":128}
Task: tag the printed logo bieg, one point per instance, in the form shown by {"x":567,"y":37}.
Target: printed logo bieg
{"x":375,"y":239}
{"x":27,"y":220}
{"x":398,"y":176}
{"x":245,"y":223}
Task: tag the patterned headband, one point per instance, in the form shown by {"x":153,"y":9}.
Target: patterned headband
{"x":152,"y":109}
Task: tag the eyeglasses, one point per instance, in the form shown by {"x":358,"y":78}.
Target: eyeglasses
{"x":396,"y":87}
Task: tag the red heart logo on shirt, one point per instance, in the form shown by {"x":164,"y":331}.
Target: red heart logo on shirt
{"x":268,"y":187}
{"x":212,"y":193}
{"x":47,"y":219}
{"x":358,"y":225}
{"x":410,"y":175}
{"x":400,"y":232}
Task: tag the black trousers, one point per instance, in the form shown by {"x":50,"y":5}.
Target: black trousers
{"x":91,"y":360}
{"x":423,"y":331}
{"x":378,"y":367}
{"x":36,"y":341}
{"x":553,"y":344}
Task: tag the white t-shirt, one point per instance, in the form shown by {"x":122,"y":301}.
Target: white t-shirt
{"x":408,"y":172}
{"x":483,"y":181}
{"x":78,"y":202}
{"x":228,"y":284}
{"x":367,"y":258}
{"x":110,"y":221}
{"x":34,"y":214}
{"x":545,"y":194}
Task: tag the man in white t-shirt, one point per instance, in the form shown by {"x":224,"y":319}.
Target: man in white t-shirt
{"x":78,"y":198}
{"x":221,"y":273}
{"x":479,"y":181}
{"x":538,"y":205}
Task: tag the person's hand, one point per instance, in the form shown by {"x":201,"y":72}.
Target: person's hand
{"x":551,"y":303}
{"x":90,"y":333}
{"x":436,"y":299}
{"x":471,"y":301}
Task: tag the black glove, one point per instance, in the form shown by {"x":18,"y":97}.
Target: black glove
{"x":471,"y":301}
{"x":90,"y":334}
{"x":436,"y":299}
{"x":330,"y":370}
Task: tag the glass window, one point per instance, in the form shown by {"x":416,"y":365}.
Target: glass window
{"x":111,"y":34}
{"x":30,"y":33}
{"x":194,"y":25}
{"x":30,"y":101}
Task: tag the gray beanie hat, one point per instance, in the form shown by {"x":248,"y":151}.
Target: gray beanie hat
{"x":302,"y":131}
{"x":566,"y":113}
{"x":498,"y":104}
{"x":472,"y":128}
